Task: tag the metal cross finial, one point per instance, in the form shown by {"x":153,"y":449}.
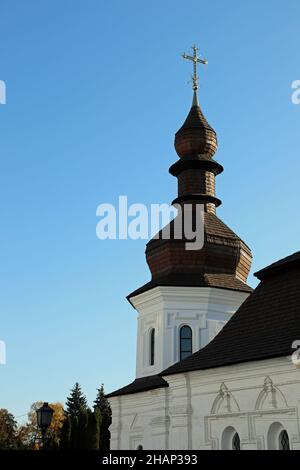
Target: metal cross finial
{"x":196,"y":60}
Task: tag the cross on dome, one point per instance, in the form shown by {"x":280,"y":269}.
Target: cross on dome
{"x":196,"y":60}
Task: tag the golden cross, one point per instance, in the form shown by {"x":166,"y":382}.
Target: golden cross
{"x":196,"y":60}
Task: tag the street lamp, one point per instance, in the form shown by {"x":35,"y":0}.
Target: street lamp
{"x":44,"y":418}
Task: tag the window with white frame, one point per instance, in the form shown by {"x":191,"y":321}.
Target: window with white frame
{"x":185,"y":342}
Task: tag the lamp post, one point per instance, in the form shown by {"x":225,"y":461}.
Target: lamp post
{"x":44,"y":418}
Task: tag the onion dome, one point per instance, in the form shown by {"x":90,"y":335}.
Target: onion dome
{"x":196,"y":139}
{"x":224,"y":261}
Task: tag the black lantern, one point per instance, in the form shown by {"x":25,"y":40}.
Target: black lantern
{"x":44,"y":418}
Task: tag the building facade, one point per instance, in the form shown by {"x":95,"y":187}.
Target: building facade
{"x":213,"y":366}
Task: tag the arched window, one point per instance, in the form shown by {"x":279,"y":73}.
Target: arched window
{"x":278,"y":438}
{"x":186,"y":342}
{"x":230,"y":439}
{"x":152,"y":347}
{"x":284,"y":441}
{"x":140,"y":447}
{"x":236,"y":443}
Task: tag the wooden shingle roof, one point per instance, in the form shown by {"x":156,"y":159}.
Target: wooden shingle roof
{"x":264,"y":327}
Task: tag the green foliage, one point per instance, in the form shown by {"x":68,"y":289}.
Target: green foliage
{"x":93,"y":431}
{"x":76,"y":428}
{"x":76,"y":402}
{"x":102,"y":405}
{"x":82,"y":429}
{"x":65,"y":437}
{"x":8,"y":431}
{"x":81,"y":432}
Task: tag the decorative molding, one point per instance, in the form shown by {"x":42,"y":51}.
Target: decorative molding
{"x":224,"y":402}
{"x":187,"y":295}
{"x":270,"y":397}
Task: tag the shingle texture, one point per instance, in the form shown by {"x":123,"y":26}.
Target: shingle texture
{"x":280,"y":265}
{"x":196,"y":137}
{"x":223,"y":262}
{"x":265,"y":326}
{"x":220,"y":281}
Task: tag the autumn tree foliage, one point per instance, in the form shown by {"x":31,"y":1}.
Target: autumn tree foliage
{"x":77,"y":427}
{"x":29,"y":431}
{"x":8,"y":431}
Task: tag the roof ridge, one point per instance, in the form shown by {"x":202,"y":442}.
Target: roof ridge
{"x":272,"y":269}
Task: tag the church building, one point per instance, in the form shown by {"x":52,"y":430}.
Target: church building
{"x":216,"y":362}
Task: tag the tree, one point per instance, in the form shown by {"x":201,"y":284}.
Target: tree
{"x":8,"y":431}
{"x":74,"y":432}
{"x":82,"y":429}
{"x":93,"y":430}
{"x":65,"y":437}
{"x":28,"y":432}
{"x":58,"y":418}
{"x":102,"y":404}
{"x":76,"y":402}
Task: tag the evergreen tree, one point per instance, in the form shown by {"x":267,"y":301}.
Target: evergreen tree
{"x":65,"y":439}
{"x":76,"y":401}
{"x":74,"y":438}
{"x":101,"y":403}
{"x":93,"y":430}
{"x":82,"y":429}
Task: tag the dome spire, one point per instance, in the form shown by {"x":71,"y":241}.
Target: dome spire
{"x":196,"y":139}
{"x":196,"y":144}
{"x":195,"y":99}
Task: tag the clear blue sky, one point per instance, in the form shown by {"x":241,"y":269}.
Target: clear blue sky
{"x":95,"y":92}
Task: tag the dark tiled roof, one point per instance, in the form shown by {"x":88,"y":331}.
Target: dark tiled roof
{"x":196,"y":137}
{"x":265,"y":326}
{"x":292,"y":260}
{"x":140,"y":385}
{"x":221,"y":281}
{"x":217,"y":234}
{"x":195,"y":120}
{"x":213,"y":226}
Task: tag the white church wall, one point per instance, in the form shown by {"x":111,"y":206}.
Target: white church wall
{"x":201,"y":409}
{"x":166,"y":309}
{"x":141,"y":420}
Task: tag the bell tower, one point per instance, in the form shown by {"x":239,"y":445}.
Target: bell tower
{"x":191,"y":294}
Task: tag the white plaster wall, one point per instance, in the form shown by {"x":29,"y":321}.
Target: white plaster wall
{"x":140,"y":419}
{"x":198,"y":407}
{"x":204,"y":309}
